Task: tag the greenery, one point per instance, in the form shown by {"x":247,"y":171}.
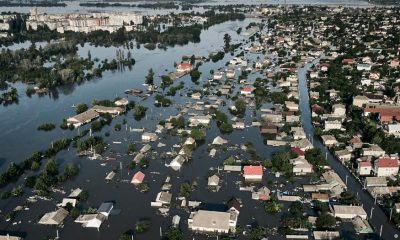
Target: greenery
{"x":316,"y":158}
{"x":229,"y":161}
{"x":150,"y":77}
{"x":240,"y":108}
{"x":217,"y":56}
{"x":139,"y":112}
{"x":162,"y":101}
{"x":46,"y":127}
{"x":173,"y":234}
{"x":195,"y":75}
{"x":142,"y":226}
{"x":295,"y":218}
{"x":281,"y":163}
{"x":272,"y":206}
{"x":81,"y":107}
{"x":143,"y":187}
{"x":166,"y":81}
{"x":198,"y":134}
{"x":325,"y":221}
{"x":348,"y":198}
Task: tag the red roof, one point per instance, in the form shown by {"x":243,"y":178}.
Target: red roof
{"x":348,"y":60}
{"x":247,"y":89}
{"x":386,"y":114}
{"x":138,"y":177}
{"x":298,"y":151}
{"x":185,"y":66}
{"x":365,"y":164}
{"x":253,"y":170}
{"x":387,"y":163}
{"x":263,"y":197}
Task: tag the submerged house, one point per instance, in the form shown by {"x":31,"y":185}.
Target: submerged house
{"x":83,"y":118}
{"x":177,"y":162}
{"x":54,"y":218}
{"x":138,"y":178}
{"x":252,"y":173}
{"x":91,"y":220}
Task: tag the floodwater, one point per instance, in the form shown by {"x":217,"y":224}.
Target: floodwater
{"x":20,"y":138}
{"x":18,"y":128}
{"x":73,"y":6}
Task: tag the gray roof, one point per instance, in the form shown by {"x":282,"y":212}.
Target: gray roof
{"x":54,"y":218}
{"x":211,"y":219}
{"x":105,"y":207}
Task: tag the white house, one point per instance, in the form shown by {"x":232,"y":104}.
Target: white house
{"x":301,"y":166}
{"x":373,"y":150}
{"x":209,"y":221}
{"x":331,"y":125}
{"x":338,"y":110}
{"x":386,"y":167}
{"x":253,"y":173}
{"x":349,"y":212}
{"x":364,"y":67}
{"x":329,"y":140}
{"x":177,"y":162}
{"x":213,"y":180}
{"x":184,"y":67}
{"x":91,"y":220}
{"x":364,"y":168}
{"x":149,"y":137}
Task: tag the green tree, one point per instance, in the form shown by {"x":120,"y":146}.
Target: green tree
{"x":51,"y":167}
{"x":142,"y":226}
{"x":198,"y":134}
{"x":71,"y":170}
{"x":325,"y":221}
{"x":227,"y":41}
{"x":150,"y":77}
{"x":173,"y":234}
{"x":195,"y":75}
{"x":81,"y":107}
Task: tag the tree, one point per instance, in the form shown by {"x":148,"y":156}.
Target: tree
{"x":173,"y":234}
{"x":198,"y":134}
{"x":348,"y":198}
{"x":81,"y":107}
{"x":142,"y":226}
{"x":144,"y":163}
{"x":272,"y":206}
{"x":226,"y":128}
{"x":71,"y":170}
{"x":227,"y":41}
{"x":125,"y":237}
{"x":185,"y":190}
{"x":35,"y":166}
{"x":195,"y":75}
{"x":150,"y":77}
{"x":51,"y":167}
{"x":325,"y":221}
{"x":240,"y":106}
{"x":131,"y":148}
{"x":280,"y":162}
{"x":257,"y":233}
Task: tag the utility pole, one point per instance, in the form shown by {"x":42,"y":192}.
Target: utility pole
{"x":380,"y":232}
{"x":370,"y":215}
{"x":391,"y":211}
{"x":347,"y":176}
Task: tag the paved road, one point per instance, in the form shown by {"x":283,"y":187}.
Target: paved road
{"x":379,"y":220}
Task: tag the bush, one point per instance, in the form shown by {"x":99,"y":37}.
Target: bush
{"x":80,"y":108}
{"x":46,"y":127}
